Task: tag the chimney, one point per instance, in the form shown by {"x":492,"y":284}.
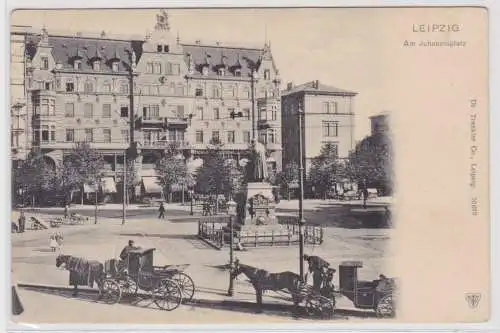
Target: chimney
{"x":289,"y":86}
{"x":316,"y":84}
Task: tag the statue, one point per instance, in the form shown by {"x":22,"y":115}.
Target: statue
{"x":258,"y":168}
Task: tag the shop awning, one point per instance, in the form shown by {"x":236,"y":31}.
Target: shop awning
{"x":151,"y":185}
{"x":108,"y":185}
{"x":89,"y":188}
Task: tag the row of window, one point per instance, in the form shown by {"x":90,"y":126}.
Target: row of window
{"x":45,"y":107}
{"x":167,"y":69}
{"x":265,"y":137}
{"x":77,"y":64}
{"x":330,"y":129}
{"x":48,"y":134}
{"x":264,"y":113}
{"x":152,"y":136}
{"x":88,"y":110}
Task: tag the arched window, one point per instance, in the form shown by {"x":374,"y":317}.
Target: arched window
{"x":52,"y":133}
{"x":123,"y":88}
{"x":246,"y":93}
{"x":88,"y":87}
{"x":106,"y":87}
{"x":215,"y":91}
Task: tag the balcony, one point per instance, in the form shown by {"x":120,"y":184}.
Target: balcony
{"x":149,"y":122}
{"x":263,"y":124}
{"x":163,"y":144}
{"x":177,"y":122}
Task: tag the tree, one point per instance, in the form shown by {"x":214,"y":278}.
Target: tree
{"x":218,"y":175}
{"x":34,"y":176}
{"x":288,"y":178}
{"x":83,"y":165}
{"x":326,"y":170}
{"x":372,"y":162}
{"x":172,"y":169}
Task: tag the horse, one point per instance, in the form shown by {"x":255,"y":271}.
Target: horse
{"x":89,"y":271}
{"x":263,"y":280}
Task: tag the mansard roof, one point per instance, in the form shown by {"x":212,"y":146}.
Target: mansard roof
{"x":64,"y":48}
{"x":246,"y":57}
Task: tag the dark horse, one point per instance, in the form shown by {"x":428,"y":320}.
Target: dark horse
{"x":263,"y":280}
{"x":92,"y":271}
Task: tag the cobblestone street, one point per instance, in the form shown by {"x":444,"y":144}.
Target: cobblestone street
{"x":176,"y":243}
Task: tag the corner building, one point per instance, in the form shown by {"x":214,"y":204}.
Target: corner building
{"x":113,"y":91}
{"x":328,"y":118}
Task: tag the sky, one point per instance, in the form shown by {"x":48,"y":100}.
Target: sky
{"x":341,"y":47}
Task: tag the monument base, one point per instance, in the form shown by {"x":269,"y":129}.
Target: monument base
{"x":260,"y":205}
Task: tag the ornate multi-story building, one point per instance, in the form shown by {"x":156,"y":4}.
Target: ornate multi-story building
{"x":112,"y":92}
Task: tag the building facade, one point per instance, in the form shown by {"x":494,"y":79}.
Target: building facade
{"x":112,"y":92}
{"x":18,"y":103}
{"x":328,"y":118}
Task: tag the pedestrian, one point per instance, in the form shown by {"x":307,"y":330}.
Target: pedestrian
{"x":365,"y":197}
{"x":66,"y":211}
{"x":53,"y":243}
{"x":161,"y":210}
{"x":59,"y":240}
{"x":22,"y":222}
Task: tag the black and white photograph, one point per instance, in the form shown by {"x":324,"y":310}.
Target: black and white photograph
{"x":218,"y":166}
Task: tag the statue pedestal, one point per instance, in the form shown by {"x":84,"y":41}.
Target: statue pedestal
{"x":259,"y":208}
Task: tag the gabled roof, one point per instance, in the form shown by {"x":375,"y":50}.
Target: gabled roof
{"x":64,"y":48}
{"x":317,"y":88}
{"x":246,"y":57}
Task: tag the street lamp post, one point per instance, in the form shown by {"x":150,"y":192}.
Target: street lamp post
{"x":232,"y":213}
{"x":301,"y":193}
{"x":124,"y":186}
{"x":95,"y":210}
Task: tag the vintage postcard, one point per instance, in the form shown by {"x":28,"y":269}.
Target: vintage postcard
{"x":250,"y":166}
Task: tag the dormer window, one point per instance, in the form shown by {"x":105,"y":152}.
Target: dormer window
{"x":159,"y":48}
{"x":59,"y":65}
{"x":221,"y":71}
{"x":237,"y":72}
{"x":267,"y":74}
{"x":114,"y":66}
{"x":204,"y":71}
{"x":166,"y":49}
{"x":77,"y":64}
{"x":44,"y":62}
{"x":97,"y":65}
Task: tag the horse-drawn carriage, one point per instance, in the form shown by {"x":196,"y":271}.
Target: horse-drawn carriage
{"x":377,"y":295}
{"x":168,"y":285}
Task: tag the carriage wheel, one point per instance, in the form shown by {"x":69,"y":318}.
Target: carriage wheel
{"x":168,"y":295}
{"x":186,"y":284}
{"x":320,"y":306}
{"x":111,"y":292}
{"x":385,"y":307}
{"x":128,"y":286}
